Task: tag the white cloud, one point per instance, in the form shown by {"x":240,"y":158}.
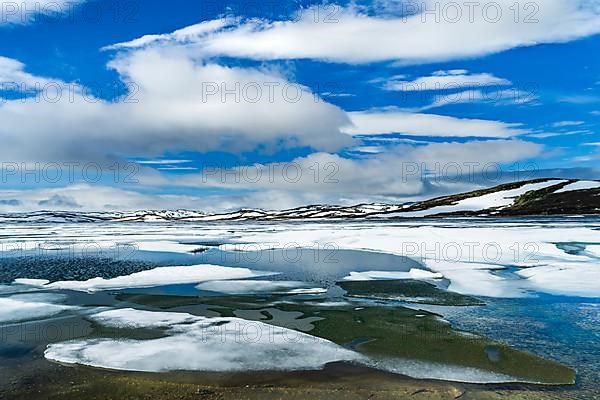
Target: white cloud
{"x":14,"y":77}
{"x":192,"y":32}
{"x":163,"y":162}
{"x":352,"y":36}
{"x":511,"y":96}
{"x":584,"y":158}
{"x":178,"y":105}
{"x":418,"y":124}
{"x":446,"y":80}
{"x":88,"y":197}
{"x":188,"y":109}
{"x":544,"y":135}
{"x":562,"y":124}
{"x":401,"y":172}
{"x":579,"y":99}
{"x":404,"y":172}
{"x":172,"y":168}
{"x":368,"y":149}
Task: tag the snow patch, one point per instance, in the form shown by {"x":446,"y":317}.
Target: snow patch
{"x":579,"y":185}
{"x":499,"y":199}
{"x":200,"y":344}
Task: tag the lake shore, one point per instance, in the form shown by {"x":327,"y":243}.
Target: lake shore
{"x":39,"y":379}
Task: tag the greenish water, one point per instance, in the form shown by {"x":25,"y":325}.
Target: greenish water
{"x":560,"y":328}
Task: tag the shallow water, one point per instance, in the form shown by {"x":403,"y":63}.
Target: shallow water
{"x":564,"y":329}
{"x":560,"y":328}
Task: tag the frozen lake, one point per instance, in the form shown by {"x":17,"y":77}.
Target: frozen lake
{"x":429,"y":299}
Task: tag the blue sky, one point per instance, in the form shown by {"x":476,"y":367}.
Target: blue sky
{"x":220,"y":105}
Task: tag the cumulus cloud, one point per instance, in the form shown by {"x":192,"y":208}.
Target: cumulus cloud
{"x":379,"y":122}
{"x":429,"y":31}
{"x":197,"y":106}
{"x":175,"y":104}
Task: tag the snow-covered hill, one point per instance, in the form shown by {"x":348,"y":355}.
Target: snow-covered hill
{"x":527,"y":198}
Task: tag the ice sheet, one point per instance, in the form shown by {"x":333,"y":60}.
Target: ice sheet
{"x":497,"y":244}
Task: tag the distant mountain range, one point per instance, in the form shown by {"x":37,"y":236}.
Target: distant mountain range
{"x":537,"y":197}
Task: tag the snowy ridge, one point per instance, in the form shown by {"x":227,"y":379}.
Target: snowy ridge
{"x":527,"y":198}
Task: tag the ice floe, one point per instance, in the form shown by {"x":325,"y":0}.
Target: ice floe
{"x":159,"y":277}
{"x":31,"y":282}
{"x":479,"y":279}
{"x":200,"y":344}
{"x":308,"y":291}
{"x":255,"y":286}
{"x":44,"y":247}
{"x":131,"y":318}
{"x":569,"y":279}
{"x":416,"y":274}
{"x":26,"y":307}
{"x":165,"y":246}
{"x":429,"y":370}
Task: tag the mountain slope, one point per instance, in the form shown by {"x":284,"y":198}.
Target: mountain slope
{"x":527,"y":198}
